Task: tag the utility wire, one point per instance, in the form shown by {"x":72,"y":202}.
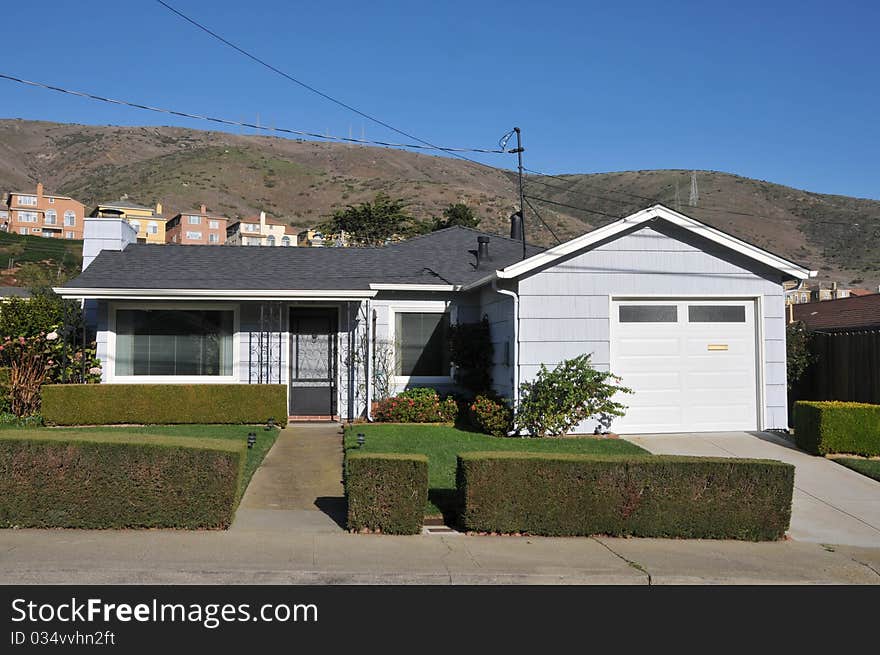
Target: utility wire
{"x":543,"y":222}
{"x":308,"y":87}
{"x":226,"y":121}
{"x":583,"y":209}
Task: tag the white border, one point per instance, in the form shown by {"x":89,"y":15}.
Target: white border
{"x":112,"y":378}
{"x":425,"y":307}
{"x":215,"y":294}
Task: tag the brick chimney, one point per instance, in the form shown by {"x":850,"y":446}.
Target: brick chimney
{"x":159,"y":208}
{"x":203,"y":209}
{"x":39,"y":191}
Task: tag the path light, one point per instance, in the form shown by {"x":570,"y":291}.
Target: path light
{"x":270,"y":423}
{"x":361,"y":439}
{"x":252,"y":439}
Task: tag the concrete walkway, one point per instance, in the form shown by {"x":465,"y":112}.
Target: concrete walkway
{"x":298,"y":487}
{"x":832,"y":504}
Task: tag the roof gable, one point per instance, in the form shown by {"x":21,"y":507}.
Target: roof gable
{"x":656,"y":212}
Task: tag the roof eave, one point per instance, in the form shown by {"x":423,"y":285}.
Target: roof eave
{"x":107,"y":293}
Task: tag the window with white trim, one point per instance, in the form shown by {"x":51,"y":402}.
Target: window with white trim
{"x":70,"y":235}
{"x":22,"y":230}
{"x":69,"y":218}
{"x":35,"y":230}
{"x":152,"y":227}
{"x":49,"y":235}
{"x":285,"y":241}
{"x":213,"y":238}
{"x":194,"y":220}
{"x":136,"y":225}
{"x":51,"y":217}
{"x":27,"y":217}
{"x":214,"y":225}
{"x":51,"y":200}
{"x":421,"y":344}
{"x":270,"y":240}
{"x":27,"y":201}
{"x":151,"y":342}
{"x":195,"y":236}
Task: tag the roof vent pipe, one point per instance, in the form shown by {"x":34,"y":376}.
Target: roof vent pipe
{"x":516,"y":226}
{"x":482,"y":251}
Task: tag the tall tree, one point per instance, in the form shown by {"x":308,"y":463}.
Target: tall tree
{"x":458,"y":214}
{"x":372,"y":223}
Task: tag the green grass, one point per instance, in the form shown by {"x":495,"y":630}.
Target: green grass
{"x":37,"y":249}
{"x":869,"y":467}
{"x":442,"y":444}
{"x":265,"y":438}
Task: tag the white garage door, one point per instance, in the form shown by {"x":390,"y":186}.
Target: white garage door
{"x":691,"y":363}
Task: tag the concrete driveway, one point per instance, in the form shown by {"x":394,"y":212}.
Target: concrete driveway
{"x":832,"y":504}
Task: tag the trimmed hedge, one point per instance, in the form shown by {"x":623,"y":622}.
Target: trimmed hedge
{"x":117,"y":481}
{"x":386,"y":492}
{"x":825,"y":427}
{"x":106,"y":404}
{"x":644,"y":496}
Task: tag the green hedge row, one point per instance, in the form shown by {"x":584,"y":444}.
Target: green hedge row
{"x":105,"y":404}
{"x":645,"y":496}
{"x":386,"y":492}
{"x":110,"y":481}
{"x":825,"y":427}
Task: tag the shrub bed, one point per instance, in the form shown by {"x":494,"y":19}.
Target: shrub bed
{"x":644,"y":496}
{"x":419,"y":405}
{"x":386,"y":492}
{"x":107,"y":404}
{"x":117,"y":481}
{"x":491,"y":415}
{"x":826,"y":427}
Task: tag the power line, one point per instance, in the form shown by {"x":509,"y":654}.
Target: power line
{"x":543,"y":222}
{"x":226,"y":121}
{"x":308,"y":87}
{"x":583,"y":209}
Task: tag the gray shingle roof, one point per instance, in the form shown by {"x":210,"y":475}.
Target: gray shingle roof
{"x":444,"y":257}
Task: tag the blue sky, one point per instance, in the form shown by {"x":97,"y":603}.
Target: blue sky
{"x":777,"y":90}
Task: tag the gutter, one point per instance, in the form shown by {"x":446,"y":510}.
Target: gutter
{"x":211,"y":294}
{"x":516,"y":371}
{"x":369,"y":361}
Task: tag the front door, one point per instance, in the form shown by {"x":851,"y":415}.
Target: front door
{"x":312,"y":362}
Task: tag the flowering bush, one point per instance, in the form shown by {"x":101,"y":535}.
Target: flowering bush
{"x":491,"y":415}
{"x":33,"y":361}
{"x":419,"y":405}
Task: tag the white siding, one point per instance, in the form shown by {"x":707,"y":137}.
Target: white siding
{"x":575,"y":295}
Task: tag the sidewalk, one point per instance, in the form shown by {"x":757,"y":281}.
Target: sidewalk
{"x":273,"y":556}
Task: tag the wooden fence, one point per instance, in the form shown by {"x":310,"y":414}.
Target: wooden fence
{"x":846,"y":366}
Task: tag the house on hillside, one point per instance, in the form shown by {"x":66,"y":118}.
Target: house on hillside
{"x":691,"y":318}
{"x":42,"y":214}
{"x":148,"y":222}
{"x":260,"y":230}
{"x":196,"y":228}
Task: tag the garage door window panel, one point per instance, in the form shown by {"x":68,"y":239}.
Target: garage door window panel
{"x":716,"y":314}
{"x":648,"y":314}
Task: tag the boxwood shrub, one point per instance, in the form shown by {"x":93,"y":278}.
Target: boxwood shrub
{"x":117,"y":481}
{"x":645,"y":496}
{"x":825,"y":427}
{"x":386,"y":492}
{"x":105,"y":404}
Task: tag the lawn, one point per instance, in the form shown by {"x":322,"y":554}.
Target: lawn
{"x":869,"y":467}
{"x":441,"y":444}
{"x":265,"y":438}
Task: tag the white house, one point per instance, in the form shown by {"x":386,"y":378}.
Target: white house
{"x":691,"y":318}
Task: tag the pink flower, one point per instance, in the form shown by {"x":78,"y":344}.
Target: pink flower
{"x":52,"y":336}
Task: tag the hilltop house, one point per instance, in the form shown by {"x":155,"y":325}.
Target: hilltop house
{"x":691,"y":318}
{"x":42,"y":214}
{"x":260,"y":231}
{"x":148,"y":222}
{"x":196,"y":228}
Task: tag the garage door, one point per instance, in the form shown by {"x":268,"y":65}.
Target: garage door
{"x":692,"y":364}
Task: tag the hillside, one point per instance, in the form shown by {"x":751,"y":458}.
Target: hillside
{"x":300,"y":182}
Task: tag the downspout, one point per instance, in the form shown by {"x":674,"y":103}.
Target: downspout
{"x":369,"y":359}
{"x":516,"y":374}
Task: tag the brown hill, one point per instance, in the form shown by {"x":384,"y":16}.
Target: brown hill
{"x":301,"y":182}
